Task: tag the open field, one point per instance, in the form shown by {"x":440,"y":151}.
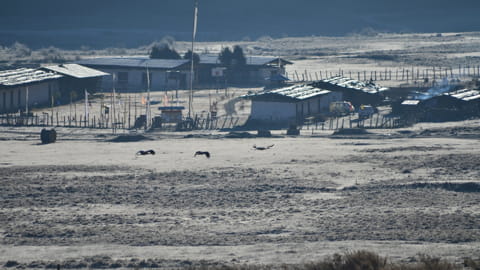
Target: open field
{"x":87,"y":200}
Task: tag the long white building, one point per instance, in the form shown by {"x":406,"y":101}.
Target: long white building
{"x":291,"y":104}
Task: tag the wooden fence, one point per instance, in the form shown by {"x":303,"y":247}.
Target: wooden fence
{"x":376,"y":121}
{"x":425,"y":75}
{"x":103,"y":122}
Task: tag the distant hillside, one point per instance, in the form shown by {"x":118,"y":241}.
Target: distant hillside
{"x":123,"y":23}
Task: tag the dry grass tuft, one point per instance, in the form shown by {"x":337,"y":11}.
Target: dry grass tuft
{"x":357,"y":260}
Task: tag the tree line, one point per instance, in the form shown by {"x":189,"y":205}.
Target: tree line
{"x":230,"y":58}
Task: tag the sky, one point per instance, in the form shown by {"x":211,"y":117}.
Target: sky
{"x":49,"y":21}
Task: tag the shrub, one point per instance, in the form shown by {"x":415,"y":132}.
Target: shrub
{"x":52,"y":55}
{"x":20,"y":50}
{"x":164,"y":49}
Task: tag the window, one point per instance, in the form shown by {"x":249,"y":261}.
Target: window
{"x":19,"y":98}
{"x":11,"y":99}
{"x":4,"y":100}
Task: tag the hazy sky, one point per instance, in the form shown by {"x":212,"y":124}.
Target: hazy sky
{"x":229,"y":19}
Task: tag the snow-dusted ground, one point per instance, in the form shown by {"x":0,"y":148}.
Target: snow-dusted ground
{"x":304,"y":198}
{"x":86,"y":201}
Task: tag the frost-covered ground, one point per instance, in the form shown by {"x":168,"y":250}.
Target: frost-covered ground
{"x":85,"y":201}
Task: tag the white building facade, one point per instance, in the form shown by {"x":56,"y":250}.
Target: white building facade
{"x":24,"y":86}
{"x":137,"y":74}
{"x":291,"y":104}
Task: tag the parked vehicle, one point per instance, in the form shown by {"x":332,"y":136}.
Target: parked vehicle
{"x":365,"y":111}
{"x":341,"y":108}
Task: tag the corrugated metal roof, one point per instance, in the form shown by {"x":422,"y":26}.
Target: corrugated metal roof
{"x":465,"y":94}
{"x":136,"y":62}
{"x":295,"y":92}
{"x":411,"y":102}
{"x":212,"y":59}
{"x":349,"y":83}
{"x":25,"y":76}
{"x":76,"y":71}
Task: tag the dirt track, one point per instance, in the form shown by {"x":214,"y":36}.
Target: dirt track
{"x":327,"y":194}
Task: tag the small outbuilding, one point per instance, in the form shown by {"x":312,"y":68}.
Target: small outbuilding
{"x":449,"y":106}
{"x":77,"y":78}
{"x":291,"y":105}
{"x":257,"y":71}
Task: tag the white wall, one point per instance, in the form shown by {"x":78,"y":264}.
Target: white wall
{"x":38,"y":94}
{"x":272,"y":111}
{"x":317,"y":105}
{"x":281,"y":111}
{"x":158,"y":80}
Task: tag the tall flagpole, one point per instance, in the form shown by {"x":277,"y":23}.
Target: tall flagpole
{"x":112,"y":112}
{"x":190,"y":97}
{"x":147,"y":106}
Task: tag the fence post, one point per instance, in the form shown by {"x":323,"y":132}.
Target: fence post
{"x":224,"y":121}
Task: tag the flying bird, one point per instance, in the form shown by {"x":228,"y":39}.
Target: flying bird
{"x":144,"y":153}
{"x":262,"y":147}
{"x":205,"y":153}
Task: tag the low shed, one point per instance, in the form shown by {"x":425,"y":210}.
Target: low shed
{"x":77,"y":78}
{"x":25,"y":87}
{"x":450,"y":106}
{"x":355,"y":91}
{"x":291,"y":104}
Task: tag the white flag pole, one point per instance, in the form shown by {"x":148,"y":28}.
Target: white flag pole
{"x":112,"y":112}
{"x":147,"y":107}
{"x":190,"y":97}
{"x":86,"y":105}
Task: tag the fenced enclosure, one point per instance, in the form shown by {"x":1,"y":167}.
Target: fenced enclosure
{"x":426,"y":76}
{"x":199,"y":122}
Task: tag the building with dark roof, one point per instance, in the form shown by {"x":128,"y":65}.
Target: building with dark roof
{"x":291,"y":104}
{"x":449,"y":106}
{"x":129,"y":74}
{"x":258,"y":70}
